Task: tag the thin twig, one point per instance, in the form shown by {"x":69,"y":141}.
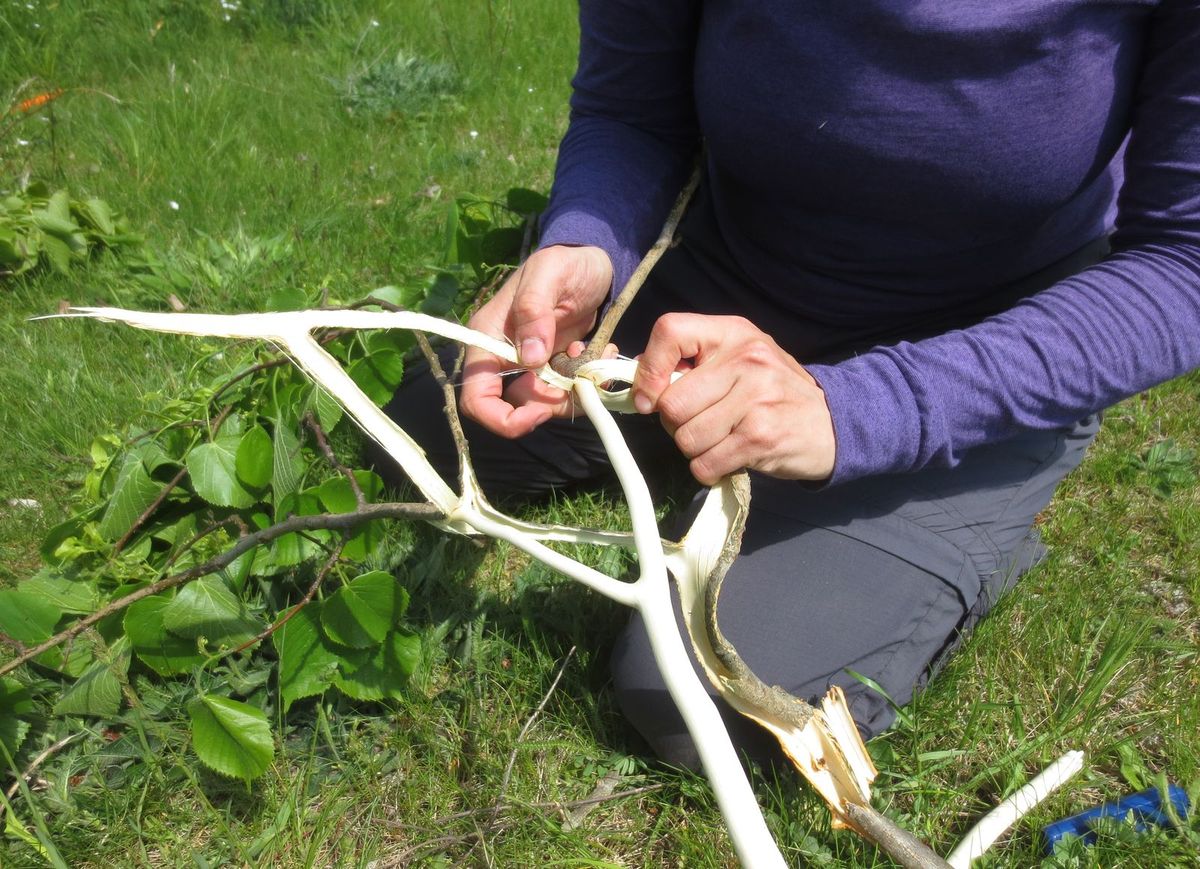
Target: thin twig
{"x":327,"y":451}
{"x":39,"y":760}
{"x":334,"y":555}
{"x":512,"y":758}
{"x":149,"y":511}
{"x":403,"y":857}
{"x":449,"y":399}
{"x":507,"y":807}
{"x":603,"y":335}
{"x":450,"y":406}
{"x":212,"y":527}
{"x":294,"y":524}
{"x":12,"y":641}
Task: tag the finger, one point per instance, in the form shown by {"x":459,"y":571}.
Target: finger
{"x":532,"y":317}
{"x":705,"y":431}
{"x":529,"y":389}
{"x":483,"y":401}
{"x":703,"y":388}
{"x":722,"y":460}
{"x":675,"y":337}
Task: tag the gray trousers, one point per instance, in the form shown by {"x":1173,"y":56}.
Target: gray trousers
{"x":882,"y":576}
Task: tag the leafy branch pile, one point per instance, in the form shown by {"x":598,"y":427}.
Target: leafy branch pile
{"x":43,"y":228}
{"x":228,"y":562}
{"x":38,"y":227}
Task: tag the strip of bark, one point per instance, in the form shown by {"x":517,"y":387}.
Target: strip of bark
{"x":566,"y":365}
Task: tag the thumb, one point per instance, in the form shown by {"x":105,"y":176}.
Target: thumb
{"x":532,"y":313}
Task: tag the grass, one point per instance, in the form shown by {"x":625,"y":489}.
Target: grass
{"x":334,"y":135}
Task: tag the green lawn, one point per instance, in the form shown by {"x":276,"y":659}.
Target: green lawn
{"x":314,"y":144}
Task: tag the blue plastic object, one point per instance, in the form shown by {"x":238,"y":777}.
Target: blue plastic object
{"x":1146,"y":807}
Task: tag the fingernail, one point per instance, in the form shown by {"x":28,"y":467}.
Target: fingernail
{"x":533,"y":351}
{"x":642,"y":402}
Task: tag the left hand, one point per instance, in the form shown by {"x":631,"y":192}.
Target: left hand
{"x":744,"y":402}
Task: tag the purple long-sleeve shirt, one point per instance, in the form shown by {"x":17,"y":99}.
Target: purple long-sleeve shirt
{"x":883,"y":160}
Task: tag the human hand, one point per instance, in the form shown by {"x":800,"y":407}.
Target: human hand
{"x":547,"y":305}
{"x":744,"y":402}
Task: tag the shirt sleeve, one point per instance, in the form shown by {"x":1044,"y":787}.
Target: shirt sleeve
{"x":632,"y":132}
{"x":1116,"y":328}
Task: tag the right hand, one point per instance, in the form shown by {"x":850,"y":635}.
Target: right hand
{"x":548,"y":304}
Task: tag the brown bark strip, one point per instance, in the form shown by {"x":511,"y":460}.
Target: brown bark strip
{"x":566,"y":365}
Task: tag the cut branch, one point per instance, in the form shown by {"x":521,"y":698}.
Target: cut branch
{"x":296,"y":524}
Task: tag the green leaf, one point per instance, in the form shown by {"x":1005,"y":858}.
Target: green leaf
{"x":289,"y":464}
{"x":207,"y":608}
{"x":307,"y":665}
{"x":76,"y":596}
{"x":287,"y":299}
{"x":230,"y":737}
{"x":26,"y":617}
{"x":55,"y":225}
{"x":499,"y":246}
{"x":337,"y":497}
{"x":98,"y":691}
{"x":163,"y":652}
{"x":451,"y":234}
{"x":59,"y":205}
{"x":372,"y":674}
{"x":525,"y":201}
{"x":329,"y":412}
{"x":133,"y":492}
{"x":362,"y":612}
{"x":236,"y":573}
{"x":291,"y":549}
{"x":62,"y":532}
{"x":97,"y":212}
{"x":378,"y":375}
{"x":1133,"y":768}
{"x":13,"y":827}
{"x":58,"y":252}
{"x":440,"y":295}
{"x":8,"y":252}
{"x":255,"y":458}
{"x":401,"y":297}
{"x":15,"y":700}
{"x":213,"y":469}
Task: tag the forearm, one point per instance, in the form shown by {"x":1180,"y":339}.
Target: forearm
{"x":1087,"y":342}
{"x":632,"y":133}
